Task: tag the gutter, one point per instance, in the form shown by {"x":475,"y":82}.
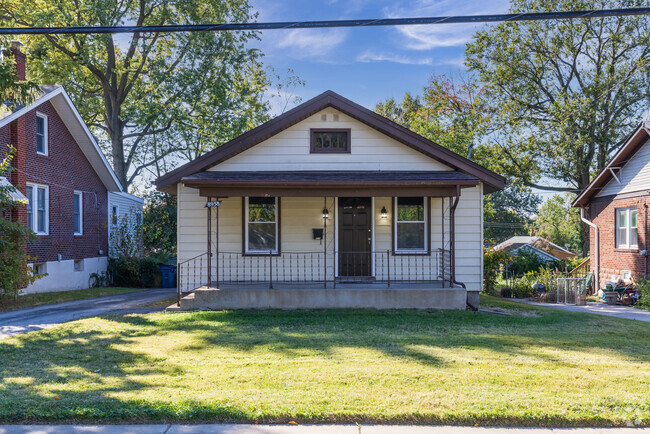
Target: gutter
{"x":452,"y":248}
{"x":597,"y":253}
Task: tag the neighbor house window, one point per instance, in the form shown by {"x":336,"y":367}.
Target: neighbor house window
{"x":115,"y":210}
{"x":627,"y":235}
{"x":330,"y":140}
{"x":410,"y":225}
{"x":78,"y":213}
{"x":41,"y":133}
{"x":38,"y":208}
{"x":261,"y":232}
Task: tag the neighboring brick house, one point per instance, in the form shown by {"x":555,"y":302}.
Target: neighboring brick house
{"x":68,"y":183}
{"x":615,"y":205}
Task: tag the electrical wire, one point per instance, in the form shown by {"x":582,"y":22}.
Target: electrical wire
{"x":217,"y":27}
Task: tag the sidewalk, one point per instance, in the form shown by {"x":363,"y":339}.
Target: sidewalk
{"x":294,"y":429}
{"x":617,"y":311}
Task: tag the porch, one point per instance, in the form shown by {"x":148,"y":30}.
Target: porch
{"x":272,"y":239}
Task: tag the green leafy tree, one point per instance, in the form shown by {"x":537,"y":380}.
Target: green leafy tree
{"x":562,"y":93}
{"x":455,"y":115}
{"x":159,"y":224}
{"x":401,"y":112}
{"x":13,"y":92}
{"x":14,"y":271}
{"x":559,"y":223}
{"x":152,"y":98}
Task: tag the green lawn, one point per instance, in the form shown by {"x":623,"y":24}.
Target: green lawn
{"x":536,"y":367}
{"x":31,"y":300}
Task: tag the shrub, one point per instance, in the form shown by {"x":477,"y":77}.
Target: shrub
{"x":644,"y":294}
{"x":135,"y":272}
{"x":492,"y":262}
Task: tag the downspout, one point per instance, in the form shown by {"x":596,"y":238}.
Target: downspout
{"x":452,"y":246}
{"x":645,"y":237}
{"x":597,"y":253}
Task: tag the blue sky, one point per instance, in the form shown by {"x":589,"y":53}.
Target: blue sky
{"x":367,"y":65}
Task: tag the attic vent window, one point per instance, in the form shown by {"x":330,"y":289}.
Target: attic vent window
{"x":323,"y":118}
{"x":330,"y":141}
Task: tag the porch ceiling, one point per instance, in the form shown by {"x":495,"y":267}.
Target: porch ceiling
{"x":330,"y":183}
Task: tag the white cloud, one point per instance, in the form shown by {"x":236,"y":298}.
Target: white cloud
{"x":430,"y":36}
{"x":312,"y":42}
{"x":370,"y":56}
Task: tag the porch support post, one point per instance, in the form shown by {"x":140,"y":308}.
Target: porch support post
{"x":324,"y":245}
{"x":442,"y":251}
{"x":217,"y":248}
{"x":209,"y":245}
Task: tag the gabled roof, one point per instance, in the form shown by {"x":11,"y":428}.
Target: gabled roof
{"x":63,"y":105}
{"x":493,"y":181}
{"x":534,"y":241}
{"x":633,"y":142}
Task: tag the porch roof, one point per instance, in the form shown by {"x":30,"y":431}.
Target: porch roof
{"x":330,"y":183}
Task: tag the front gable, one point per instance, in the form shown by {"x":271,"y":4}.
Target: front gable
{"x":371,"y":127}
{"x":290,"y":149}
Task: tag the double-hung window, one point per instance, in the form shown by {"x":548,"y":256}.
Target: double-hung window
{"x":38,"y":208}
{"x":78,"y":212}
{"x":627,"y":235}
{"x":41,"y":134}
{"x":410,"y":225}
{"x":261,"y":231}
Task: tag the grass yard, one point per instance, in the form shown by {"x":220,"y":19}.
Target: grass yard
{"x":32,"y":300}
{"x":536,"y":367}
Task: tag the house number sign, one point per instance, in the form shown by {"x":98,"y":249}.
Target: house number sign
{"x":213,"y":204}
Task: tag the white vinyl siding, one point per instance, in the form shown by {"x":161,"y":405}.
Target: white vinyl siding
{"x":127,"y":209}
{"x":634,"y":174}
{"x":38,"y":208}
{"x":627,"y":235}
{"x":77,"y":220}
{"x":370,"y":150}
{"x":41,"y":134}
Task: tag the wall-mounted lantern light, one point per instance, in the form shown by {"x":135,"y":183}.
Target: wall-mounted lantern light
{"x":326,"y":213}
{"x":384,"y":213}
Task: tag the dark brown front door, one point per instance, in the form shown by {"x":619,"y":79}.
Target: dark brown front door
{"x":355,"y":237}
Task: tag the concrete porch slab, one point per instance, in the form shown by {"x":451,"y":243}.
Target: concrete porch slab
{"x":351,"y":296}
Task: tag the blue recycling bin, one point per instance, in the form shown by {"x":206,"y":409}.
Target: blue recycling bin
{"x":168,"y":273}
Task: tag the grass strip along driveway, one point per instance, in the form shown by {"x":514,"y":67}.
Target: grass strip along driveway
{"x":536,"y":367}
{"x":42,"y":298}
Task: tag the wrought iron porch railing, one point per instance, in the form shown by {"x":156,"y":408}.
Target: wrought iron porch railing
{"x":381,"y":266}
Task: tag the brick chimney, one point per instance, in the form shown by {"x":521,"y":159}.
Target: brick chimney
{"x":18,"y":131}
{"x":20,"y":59}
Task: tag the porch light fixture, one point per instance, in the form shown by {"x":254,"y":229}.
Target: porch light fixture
{"x":326,"y":213}
{"x":384,"y":213}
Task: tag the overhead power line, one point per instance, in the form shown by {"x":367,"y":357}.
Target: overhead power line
{"x":537,"y":16}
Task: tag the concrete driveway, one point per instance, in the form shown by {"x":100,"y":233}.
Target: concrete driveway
{"x":42,"y":317}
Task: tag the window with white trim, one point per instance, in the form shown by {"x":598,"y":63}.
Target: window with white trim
{"x":627,"y":234}
{"x":78,"y":212}
{"x":38,"y":198}
{"x":41,"y":134}
{"x":409,"y":225}
{"x":261,"y":219}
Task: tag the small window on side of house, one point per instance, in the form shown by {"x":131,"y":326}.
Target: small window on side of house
{"x":38,"y":197}
{"x":115,"y":211}
{"x":39,"y":268}
{"x":41,"y":134}
{"x":78,"y":265}
{"x":78,"y":212}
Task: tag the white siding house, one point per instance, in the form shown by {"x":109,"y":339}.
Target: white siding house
{"x":330,"y":205}
{"x":125,"y":213}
